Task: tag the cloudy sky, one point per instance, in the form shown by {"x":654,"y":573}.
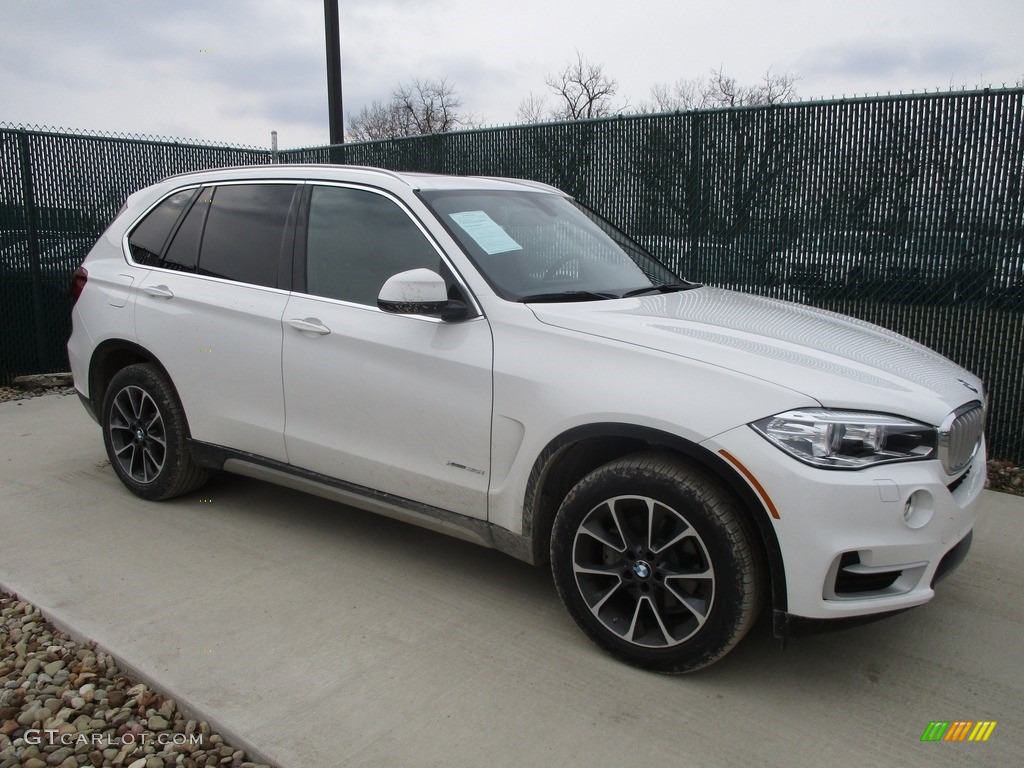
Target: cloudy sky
{"x":233,"y":70}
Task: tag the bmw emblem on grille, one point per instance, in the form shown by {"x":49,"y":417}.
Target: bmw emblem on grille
{"x":970,"y":386}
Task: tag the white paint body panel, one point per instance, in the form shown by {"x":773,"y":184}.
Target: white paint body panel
{"x":396,"y":403}
{"x":552,"y":380}
{"x":222,"y":340}
{"x":455,"y":415}
{"x":835,"y":360}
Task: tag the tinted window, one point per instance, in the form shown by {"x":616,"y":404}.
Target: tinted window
{"x":183,"y":252}
{"x":244,"y":232}
{"x":356,"y":241}
{"x":147,"y":240}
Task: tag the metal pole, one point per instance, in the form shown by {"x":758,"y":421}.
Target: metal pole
{"x":333,"y":41}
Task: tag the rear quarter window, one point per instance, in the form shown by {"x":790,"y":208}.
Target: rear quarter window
{"x":149,"y":237}
{"x":183,"y":252}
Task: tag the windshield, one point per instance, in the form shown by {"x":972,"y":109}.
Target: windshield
{"x":537,"y":246}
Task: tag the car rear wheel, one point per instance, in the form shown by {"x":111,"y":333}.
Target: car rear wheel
{"x":656,"y":564}
{"x":145,"y":433}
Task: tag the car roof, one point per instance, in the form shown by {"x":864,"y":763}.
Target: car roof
{"x":331,"y":172}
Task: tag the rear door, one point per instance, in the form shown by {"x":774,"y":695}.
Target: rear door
{"x":211,"y":309}
{"x":393,"y":403}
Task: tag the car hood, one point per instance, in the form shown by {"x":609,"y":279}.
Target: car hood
{"x":832,"y":359}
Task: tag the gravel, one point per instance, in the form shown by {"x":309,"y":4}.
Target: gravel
{"x":1006,"y":476}
{"x":18,"y":393}
{"x":64,"y":705}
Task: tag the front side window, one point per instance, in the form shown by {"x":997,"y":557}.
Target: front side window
{"x":358,"y":239}
{"x":244,"y":233}
{"x":535,"y":245}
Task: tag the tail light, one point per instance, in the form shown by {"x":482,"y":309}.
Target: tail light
{"x":78,"y":281}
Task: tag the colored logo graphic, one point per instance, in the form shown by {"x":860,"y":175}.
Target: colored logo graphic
{"x":958,"y":730}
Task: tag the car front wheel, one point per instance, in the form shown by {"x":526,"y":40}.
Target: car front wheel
{"x":655,"y":563}
{"x":145,"y":433}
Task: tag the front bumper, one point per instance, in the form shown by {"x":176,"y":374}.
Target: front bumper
{"x":859,"y":543}
{"x":786,"y":624}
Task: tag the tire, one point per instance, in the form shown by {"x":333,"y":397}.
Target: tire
{"x":145,"y":433}
{"x":656,"y":564}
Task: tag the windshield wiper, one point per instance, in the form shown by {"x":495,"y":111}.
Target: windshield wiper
{"x":662,"y":288}
{"x":568,"y":296}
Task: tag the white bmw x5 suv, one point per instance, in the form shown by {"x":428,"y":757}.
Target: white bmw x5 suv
{"x":487,"y":358}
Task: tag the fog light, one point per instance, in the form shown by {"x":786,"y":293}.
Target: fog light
{"x":918,"y":509}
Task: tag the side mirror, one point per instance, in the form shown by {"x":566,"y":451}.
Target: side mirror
{"x":420,"y":292}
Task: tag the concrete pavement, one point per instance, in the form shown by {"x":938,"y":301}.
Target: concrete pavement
{"x":316,"y":635}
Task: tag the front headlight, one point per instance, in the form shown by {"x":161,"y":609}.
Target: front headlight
{"x":848,"y":439}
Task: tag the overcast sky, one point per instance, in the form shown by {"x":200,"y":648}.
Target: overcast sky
{"x":231,"y":70}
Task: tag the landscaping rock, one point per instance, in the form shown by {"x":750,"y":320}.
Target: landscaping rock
{"x":49,"y":682}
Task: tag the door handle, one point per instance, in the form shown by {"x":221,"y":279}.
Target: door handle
{"x":159,"y":291}
{"x":309,"y":325}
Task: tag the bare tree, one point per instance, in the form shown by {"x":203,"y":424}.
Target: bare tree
{"x":775,"y":88}
{"x":377,"y":121}
{"x":583,"y":90}
{"x":533,"y":109}
{"x":420,"y":107}
{"x":580,"y":91}
{"x":720,"y":90}
{"x":681,"y":95}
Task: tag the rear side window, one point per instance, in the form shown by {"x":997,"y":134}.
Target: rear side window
{"x":183,"y":252}
{"x":245,"y":232}
{"x":147,"y":240}
{"x":356,"y":241}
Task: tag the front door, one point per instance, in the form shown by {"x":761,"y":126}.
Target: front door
{"x":393,"y":403}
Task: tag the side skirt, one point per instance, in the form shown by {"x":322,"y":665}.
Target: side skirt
{"x":426,"y":516}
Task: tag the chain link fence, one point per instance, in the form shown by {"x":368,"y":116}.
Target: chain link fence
{"x":905,"y":211}
{"x":58,"y":192}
